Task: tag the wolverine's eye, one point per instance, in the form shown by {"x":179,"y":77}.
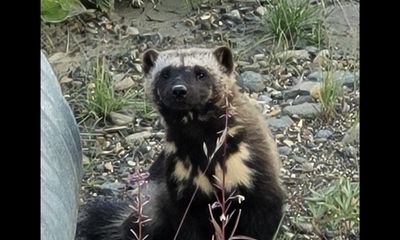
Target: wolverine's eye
{"x":165,"y":73}
{"x":200,"y":73}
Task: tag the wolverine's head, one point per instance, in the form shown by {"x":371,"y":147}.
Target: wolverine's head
{"x":187,"y":79}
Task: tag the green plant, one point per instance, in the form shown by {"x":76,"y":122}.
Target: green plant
{"x":101,"y":97}
{"x":329,"y":92}
{"x":295,"y":20}
{"x":335,"y":208}
{"x":59,"y":10}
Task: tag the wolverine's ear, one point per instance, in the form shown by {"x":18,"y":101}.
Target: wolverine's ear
{"x":224,"y":57}
{"x":149,"y":58}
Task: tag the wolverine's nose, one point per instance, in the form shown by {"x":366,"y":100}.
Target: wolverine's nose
{"x":179,"y":91}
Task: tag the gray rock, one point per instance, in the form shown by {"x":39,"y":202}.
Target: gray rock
{"x":346,"y":77}
{"x":124,"y":84}
{"x":120,"y":119}
{"x":260,"y":11}
{"x":118,"y":77}
{"x":284,"y":150}
{"x":234,"y":16}
{"x":154,"y":37}
{"x":132,"y":31}
{"x":252,"y":67}
{"x":113,"y":186}
{"x":297,"y":54}
{"x":276,"y":123}
{"x":323,"y":133}
{"x":259,"y":57}
{"x":299,"y":159}
{"x":302,"y":88}
{"x":252,"y":81}
{"x":304,"y":110}
{"x":137,"y":137}
{"x":264,"y":98}
{"x":352,"y":136}
{"x":303,"y":99}
{"x":315,"y":76}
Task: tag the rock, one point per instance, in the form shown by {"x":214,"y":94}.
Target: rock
{"x":285,"y":150}
{"x":138,"y":68}
{"x":252,"y":81}
{"x":308,"y":167}
{"x":323,"y":133}
{"x":118,"y":77}
{"x":315,"y":76}
{"x":109,"y":166}
{"x":297,"y":54}
{"x":304,"y":110}
{"x":352,"y":136}
{"x":311,"y":49}
{"x":124,"y":84}
{"x":132,"y":31}
{"x":112,"y":186}
{"x":120,"y":119}
{"x":137,"y":137}
{"x":347,"y":78}
{"x":234,"y":15}
{"x":154,"y":37}
{"x":303,"y":99}
{"x":131,"y":163}
{"x":276,"y":123}
{"x":259,"y":57}
{"x":315,"y":91}
{"x":262,"y":64}
{"x":299,"y":159}
{"x":260,"y":11}
{"x":303,"y":88}
{"x":65,"y":79}
{"x":255,"y":67}
{"x":264,"y":98}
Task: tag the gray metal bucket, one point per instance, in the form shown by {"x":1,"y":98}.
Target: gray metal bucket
{"x":61,"y":159}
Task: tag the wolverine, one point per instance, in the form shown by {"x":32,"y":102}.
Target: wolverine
{"x":191,"y":89}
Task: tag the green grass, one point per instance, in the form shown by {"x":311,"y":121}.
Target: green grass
{"x":329,"y":92}
{"x":101,"y":97}
{"x":336,"y":207}
{"x":59,"y":10}
{"x":295,"y":20}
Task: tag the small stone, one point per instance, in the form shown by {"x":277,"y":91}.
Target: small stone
{"x":288,"y":142}
{"x":299,"y":159}
{"x":137,"y":137}
{"x":259,"y":57}
{"x":297,"y":54}
{"x":118,"y":77}
{"x":252,"y":81}
{"x":65,"y":79}
{"x":345,"y":77}
{"x":85,"y":159}
{"x":264,"y":98}
{"x":308,"y":167}
{"x":234,"y":15}
{"x":276,"y":123}
{"x":138,"y":68}
{"x":132,"y":31}
{"x":284,"y":150}
{"x":124,"y":84}
{"x":112,"y":186}
{"x":303,"y":99}
{"x":255,"y":67}
{"x":304,"y":110}
{"x":263,"y":64}
{"x":109,"y":166}
{"x":131,"y":163}
{"x":352,"y":135}
{"x":260,"y":11}
{"x":324,"y":133}
{"x":120,"y":119}
{"x":302,"y":88}
{"x":315,"y":76}
{"x":315,"y":91}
